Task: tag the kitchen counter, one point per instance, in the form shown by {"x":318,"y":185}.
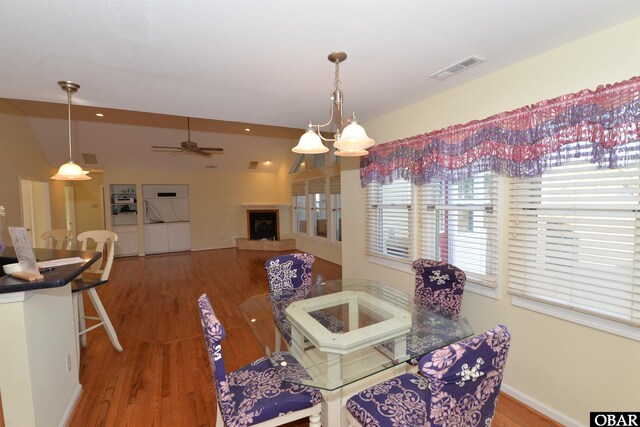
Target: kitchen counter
{"x":57,"y":277}
{"x":39,"y":375}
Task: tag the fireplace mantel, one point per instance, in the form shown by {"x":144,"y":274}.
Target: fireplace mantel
{"x":264,"y":205}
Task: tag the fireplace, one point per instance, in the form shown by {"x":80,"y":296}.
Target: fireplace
{"x":262,"y":225}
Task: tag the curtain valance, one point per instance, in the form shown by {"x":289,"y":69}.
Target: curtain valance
{"x":519,"y":143}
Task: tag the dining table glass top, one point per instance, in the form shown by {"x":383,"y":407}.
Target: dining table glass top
{"x":341,"y":331}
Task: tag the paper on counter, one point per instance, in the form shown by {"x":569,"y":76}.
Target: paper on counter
{"x":60,"y":261}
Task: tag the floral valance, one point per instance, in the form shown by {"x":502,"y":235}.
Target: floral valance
{"x":519,"y":143}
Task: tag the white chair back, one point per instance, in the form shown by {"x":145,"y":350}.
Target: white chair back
{"x":105,"y":242}
{"x":57,"y":239}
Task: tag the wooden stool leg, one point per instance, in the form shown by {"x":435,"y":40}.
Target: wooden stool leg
{"x":104,"y":317}
{"x":82,"y":323}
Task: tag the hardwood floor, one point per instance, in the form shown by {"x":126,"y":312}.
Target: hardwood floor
{"x":162,"y":377}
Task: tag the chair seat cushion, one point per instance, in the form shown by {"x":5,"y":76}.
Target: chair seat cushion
{"x":255,"y":393}
{"x":400,"y":402}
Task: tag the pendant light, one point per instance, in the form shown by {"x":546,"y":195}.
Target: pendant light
{"x":350,"y":140}
{"x":70,"y":171}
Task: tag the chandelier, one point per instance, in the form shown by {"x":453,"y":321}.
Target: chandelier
{"x":70,"y":171}
{"x":350,"y":139}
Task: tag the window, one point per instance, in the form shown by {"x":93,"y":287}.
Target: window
{"x":298,"y":164}
{"x":336,"y":207}
{"x":318,"y":204}
{"x":458,"y":225}
{"x":389,"y":221}
{"x":298,"y":192}
{"x":574,"y":243}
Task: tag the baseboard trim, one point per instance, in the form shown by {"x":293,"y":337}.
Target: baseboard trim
{"x":66,"y":417}
{"x":540,"y":407}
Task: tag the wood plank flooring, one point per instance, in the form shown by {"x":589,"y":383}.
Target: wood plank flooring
{"x":162,"y":377}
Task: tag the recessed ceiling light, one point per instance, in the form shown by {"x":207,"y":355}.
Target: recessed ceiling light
{"x":267,"y":162}
{"x":99,"y":114}
{"x":247,"y":129}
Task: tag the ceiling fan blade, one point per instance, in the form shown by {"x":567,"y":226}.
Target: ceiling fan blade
{"x":200,"y":152}
{"x":170,"y":148}
{"x":215,"y":149}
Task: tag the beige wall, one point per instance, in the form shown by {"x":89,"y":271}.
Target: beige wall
{"x":562,"y":368}
{"x":88,"y":203}
{"x":215,"y":201}
{"x":21,"y":156}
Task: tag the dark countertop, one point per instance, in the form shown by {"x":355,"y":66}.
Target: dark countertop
{"x":59,"y":276}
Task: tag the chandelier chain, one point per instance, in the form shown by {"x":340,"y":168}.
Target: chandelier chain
{"x":337,"y":83}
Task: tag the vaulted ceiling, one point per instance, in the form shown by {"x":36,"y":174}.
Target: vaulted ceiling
{"x":146,"y":65}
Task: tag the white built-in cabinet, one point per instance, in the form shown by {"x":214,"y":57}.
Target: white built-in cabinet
{"x":123,"y":207}
{"x":127,"y":243}
{"x":167,"y":237}
{"x":165,"y":209}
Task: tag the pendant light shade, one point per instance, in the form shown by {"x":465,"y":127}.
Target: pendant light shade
{"x":70,"y":171}
{"x":354,"y":136}
{"x":310,"y":143}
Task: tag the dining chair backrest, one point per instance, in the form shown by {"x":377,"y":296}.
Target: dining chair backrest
{"x":57,"y":239}
{"x":439,"y":286}
{"x":214,"y":333}
{"x":468,"y":372}
{"x":289,"y":273}
{"x":100,"y":241}
{"x":254,"y":394}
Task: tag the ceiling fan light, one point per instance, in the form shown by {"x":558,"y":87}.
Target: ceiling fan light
{"x":71,"y":171}
{"x":354,"y":134}
{"x":310,"y":143}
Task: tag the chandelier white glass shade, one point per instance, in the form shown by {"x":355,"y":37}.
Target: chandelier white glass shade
{"x":70,"y":171}
{"x":350,"y":139}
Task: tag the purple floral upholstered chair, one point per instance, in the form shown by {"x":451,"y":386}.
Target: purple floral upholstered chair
{"x":439,"y":286}
{"x":254,"y":394}
{"x":290,"y":280}
{"x":459,"y":387}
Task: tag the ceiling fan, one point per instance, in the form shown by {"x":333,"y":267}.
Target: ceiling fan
{"x":190,"y":147}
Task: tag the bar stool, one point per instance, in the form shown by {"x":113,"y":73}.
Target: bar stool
{"x":57,"y":239}
{"x":105,"y":243}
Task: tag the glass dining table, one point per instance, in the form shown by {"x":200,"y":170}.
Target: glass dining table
{"x":380,"y":329}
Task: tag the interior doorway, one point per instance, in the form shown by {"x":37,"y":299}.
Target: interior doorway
{"x":36,"y":208}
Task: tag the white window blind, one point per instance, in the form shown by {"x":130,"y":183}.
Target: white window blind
{"x":574,"y":240}
{"x":298,"y":188}
{"x":389,"y":221}
{"x":316,"y":186}
{"x":458,"y":225}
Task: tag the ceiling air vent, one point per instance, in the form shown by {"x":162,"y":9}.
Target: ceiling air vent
{"x":253,"y":164}
{"x":89,"y":159}
{"x":457,"y":68}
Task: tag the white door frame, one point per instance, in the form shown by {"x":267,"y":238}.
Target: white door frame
{"x":35,"y":204}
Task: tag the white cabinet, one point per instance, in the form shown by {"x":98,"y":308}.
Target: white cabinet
{"x":123,"y":205}
{"x":127,"y":243}
{"x":167,"y":237}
